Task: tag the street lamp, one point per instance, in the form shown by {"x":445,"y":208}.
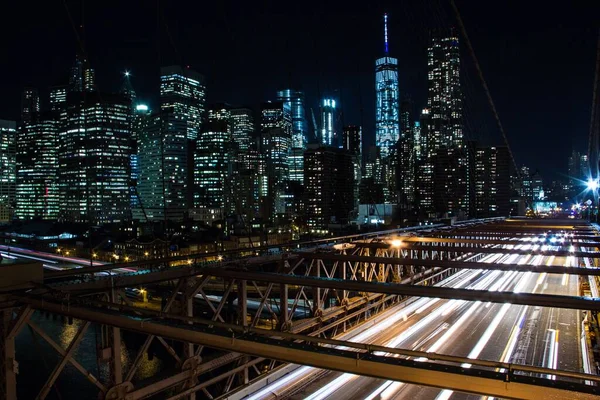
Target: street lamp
{"x":396,"y":243}
{"x":592,"y":185}
{"x":126,"y":258}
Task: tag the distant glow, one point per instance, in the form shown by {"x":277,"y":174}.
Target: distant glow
{"x":141,"y":107}
{"x":592,"y":184}
{"x":127,"y":73}
{"x":396,"y":243}
{"x":385,"y":32}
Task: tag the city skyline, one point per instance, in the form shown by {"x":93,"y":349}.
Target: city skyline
{"x":315,"y":74}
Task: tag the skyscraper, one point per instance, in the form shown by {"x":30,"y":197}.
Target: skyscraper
{"x":405,"y":173}
{"x":387,"y":124}
{"x":182,"y":92}
{"x":30,"y":105}
{"x":213,"y":161}
{"x":295,"y":101}
{"x":8,"y":136}
{"x":242,"y":127}
{"x":491,"y":181}
{"x":140,"y":123}
{"x":352,"y":143}
{"x":94,"y":158}
{"x":424,"y":159}
{"x":329,"y":187}
{"x":58,"y":98}
{"x":328,"y":122}
{"x":163,"y":162}
{"x":447,"y":150}
{"x":37,"y":170}
{"x":276,"y":141}
{"x":82,"y":77}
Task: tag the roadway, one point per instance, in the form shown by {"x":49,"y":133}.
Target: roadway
{"x":512,"y":333}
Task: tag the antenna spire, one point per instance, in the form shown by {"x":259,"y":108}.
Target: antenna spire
{"x":385,"y":33}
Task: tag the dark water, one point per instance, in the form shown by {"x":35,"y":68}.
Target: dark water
{"x":37,"y":359}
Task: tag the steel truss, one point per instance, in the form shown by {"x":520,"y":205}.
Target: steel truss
{"x":303,"y":304}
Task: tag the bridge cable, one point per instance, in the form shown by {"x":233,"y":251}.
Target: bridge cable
{"x":485,"y":86}
{"x":593,"y":136}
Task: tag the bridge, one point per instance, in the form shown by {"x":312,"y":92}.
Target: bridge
{"x":491,"y":307}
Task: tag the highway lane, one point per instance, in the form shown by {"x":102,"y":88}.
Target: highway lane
{"x":549,"y":338}
{"x":414,"y":318}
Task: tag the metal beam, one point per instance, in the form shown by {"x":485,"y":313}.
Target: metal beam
{"x":549,"y":269}
{"x":543,"y":300}
{"x":470,"y":380}
{"x":59,"y":367}
{"x":62,"y":352}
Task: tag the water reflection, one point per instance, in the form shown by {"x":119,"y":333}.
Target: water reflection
{"x":37,"y":359}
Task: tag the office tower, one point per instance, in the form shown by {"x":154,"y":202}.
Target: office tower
{"x":295,"y":101}
{"x":37,"y":170}
{"x":242,"y":127}
{"x":579,"y":169}
{"x":140,"y":123}
{"x":329,"y":185}
{"x":537,"y":186}
{"x":94,"y":158}
{"x":182,"y":92}
{"x":387,"y":123}
{"x":58,"y":98}
{"x":424,"y":167}
{"x":30,"y":105}
{"x":8,"y":137}
{"x":491,"y":181}
{"x":213,"y":162}
{"x":444,"y":91}
{"x":82,"y":77}
{"x":276,"y":141}
{"x":405,"y":173}
{"x":163,"y":163}
{"x":328,"y":122}
{"x":447,"y":149}
{"x":352,"y":143}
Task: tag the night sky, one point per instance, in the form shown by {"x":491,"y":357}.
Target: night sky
{"x":538,"y":58}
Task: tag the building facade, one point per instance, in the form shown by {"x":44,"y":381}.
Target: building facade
{"x":446,"y":150}
{"x":37,"y":170}
{"x":182,"y":93}
{"x":8,"y":138}
{"x":94,"y":158}
{"x":329,"y":135}
{"x":491,"y":181}
{"x":329,"y":186}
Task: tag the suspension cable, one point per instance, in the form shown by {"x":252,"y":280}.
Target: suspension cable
{"x":485,"y":86}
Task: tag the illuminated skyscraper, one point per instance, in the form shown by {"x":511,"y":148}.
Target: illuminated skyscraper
{"x":140,"y":123}
{"x":352,"y":143}
{"x":295,"y":101}
{"x":83,"y":77}
{"x":37,"y":170}
{"x":94,"y":158}
{"x":329,"y":187}
{"x":213,"y":161}
{"x":276,"y":143}
{"x":405,"y":173}
{"x":242,"y":127}
{"x":387,"y":122}
{"x":328,"y":122}
{"x":8,"y":137}
{"x":30,"y":105}
{"x":58,"y":98}
{"x":447,"y":149}
{"x":445,"y":95}
{"x":182,"y":92}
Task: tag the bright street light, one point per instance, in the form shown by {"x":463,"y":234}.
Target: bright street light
{"x":396,"y":243}
{"x":592,"y":184}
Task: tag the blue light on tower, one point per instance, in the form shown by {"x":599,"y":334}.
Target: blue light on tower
{"x":328,"y":128}
{"x":387,"y":113}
